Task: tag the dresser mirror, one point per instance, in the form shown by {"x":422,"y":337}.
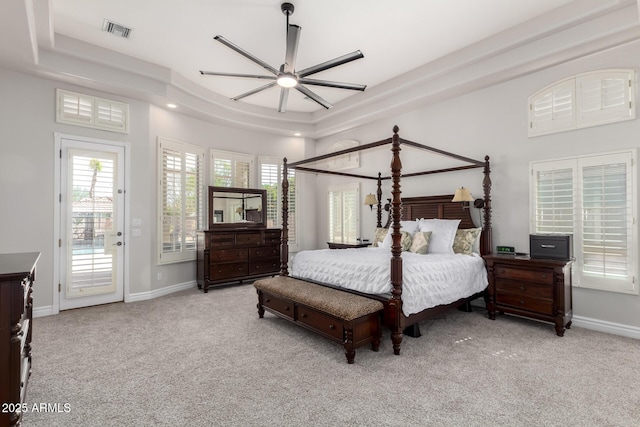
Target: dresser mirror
{"x":237,"y":207}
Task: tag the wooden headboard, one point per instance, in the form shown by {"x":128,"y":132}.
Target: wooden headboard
{"x":439,"y":207}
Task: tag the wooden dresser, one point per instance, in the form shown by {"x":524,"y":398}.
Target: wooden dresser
{"x":236,"y":254}
{"x":535,"y":288}
{"x":17,"y":272}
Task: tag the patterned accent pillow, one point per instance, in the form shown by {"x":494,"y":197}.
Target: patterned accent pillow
{"x":420,"y":242}
{"x":405,"y":241}
{"x":378,"y":236}
{"x":463,"y":242}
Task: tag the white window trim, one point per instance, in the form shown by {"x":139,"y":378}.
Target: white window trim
{"x":93,"y":120}
{"x":234,"y":157}
{"x":580,"y":280}
{"x":183,"y":148}
{"x":577,"y":118}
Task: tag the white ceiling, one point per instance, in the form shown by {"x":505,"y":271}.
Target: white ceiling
{"x":417,"y":40}
{"x":395,"y":36}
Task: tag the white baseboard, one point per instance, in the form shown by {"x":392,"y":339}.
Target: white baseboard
{"x":138,"y":296}
{"x":47,"y":310}
{"x":143,"y":296}
{"x":608,"y":327}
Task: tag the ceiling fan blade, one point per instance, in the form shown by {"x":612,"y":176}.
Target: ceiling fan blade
{"x":250,"y":76}
{"x":331,"y":63}
{"x":313,"y":96}
{"x":284,"y":96}
{"x":293,"y":37}
{"x":254,"y":91}
{"x":326,"y":83}
{"x":246,"y":54}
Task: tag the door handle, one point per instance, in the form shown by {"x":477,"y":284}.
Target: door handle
{"x":117,"y":244}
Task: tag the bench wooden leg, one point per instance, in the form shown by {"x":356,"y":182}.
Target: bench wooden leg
{"x":260,"y":307}
{"x":349,"y":349}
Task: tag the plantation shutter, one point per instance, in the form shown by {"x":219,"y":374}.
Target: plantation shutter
{"x":181,"y":200}
{"x":292,"y":223}
{"x":231,"y":169}
{"x":552,"y":109}
{"x":344,"y":214}
{"x":269,"y":180}
{"x":604,"y":97}
{"x":607,"y":216}
{"x":90,"y":111}
{"x":554,"y":201}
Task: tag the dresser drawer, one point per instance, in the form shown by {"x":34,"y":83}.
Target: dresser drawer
{"x":264,"y":252}
{"x":227,"y":255}
{"x":321,"y":322}
{"x":544,"y":276}
{"x":228,"y":271}
{"x":253,"y":238}
{"x":536,"y":305}
{"x":267,"y":266}
{"x":221,"y":239}
{"x":283,"y":307}
{"x":523,"y":288}
{"x":272,"y":236}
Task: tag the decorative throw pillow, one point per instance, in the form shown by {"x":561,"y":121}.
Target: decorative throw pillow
{"x":379,"y":236}
{"x":420,"y":242}
{"x":405,"y":241}
{"x":463,"y":242}
{"x":443,"y":231}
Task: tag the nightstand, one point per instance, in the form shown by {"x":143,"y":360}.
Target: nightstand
{"x":333,"y":245}
{"x":534,"y":288}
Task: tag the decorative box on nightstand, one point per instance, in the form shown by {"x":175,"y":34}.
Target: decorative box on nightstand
{"x":535,"y":288}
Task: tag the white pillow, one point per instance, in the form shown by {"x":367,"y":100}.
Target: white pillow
{"x":443,"y":232}
{"x":408,"y":226}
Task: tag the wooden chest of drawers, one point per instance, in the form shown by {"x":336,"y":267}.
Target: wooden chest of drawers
{"x":231,"y":255}
{"x":17,"y":272}
{"x":535,"y":288}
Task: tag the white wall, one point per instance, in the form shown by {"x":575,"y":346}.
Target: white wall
{"x":494,"y":122}
{"x":27,"y":159}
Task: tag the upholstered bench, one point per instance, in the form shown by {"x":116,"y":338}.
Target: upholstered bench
{"x":343,"y":317}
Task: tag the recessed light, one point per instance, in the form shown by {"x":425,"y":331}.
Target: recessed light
{"x":297,"y":134}
{"x":172,"y":106}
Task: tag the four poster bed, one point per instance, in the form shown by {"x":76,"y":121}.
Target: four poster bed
{"x":404,"y":307}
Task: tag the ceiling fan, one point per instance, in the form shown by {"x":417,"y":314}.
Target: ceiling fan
{"x":287,"y":77}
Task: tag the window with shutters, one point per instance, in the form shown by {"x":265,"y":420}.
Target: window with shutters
{"x":180,"y":198}
{"x":344,"y":213}
{"x":90,"y":111}
{"x":594,"y":199}
{"x":231,"y":169}
{"x":589,"y":99}
{"x":271,"y":180}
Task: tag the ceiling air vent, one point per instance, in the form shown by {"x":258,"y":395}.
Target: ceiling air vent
{"x":116,"y":29}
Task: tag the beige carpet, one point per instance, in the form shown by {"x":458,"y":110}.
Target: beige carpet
{"x":194,"y":359}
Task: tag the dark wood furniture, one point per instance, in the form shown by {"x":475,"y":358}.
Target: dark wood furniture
{"x":352,"y":320}
{"x":238,"y":245}
{"x":17,"y":273}
{"x":394,"y":318}
{"x":336,"y":245}
{"x":229,"y":255}
{"x":535,"y":288}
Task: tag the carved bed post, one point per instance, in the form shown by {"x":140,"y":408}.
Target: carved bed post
{"x":396,"y":247}
{"x":284,"y":239}
{"x":379,"y":194}
{"x":486,"y":226}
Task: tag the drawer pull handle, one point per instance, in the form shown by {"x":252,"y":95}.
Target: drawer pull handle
{"x":544,"y":276}
{"x":548,"y":246}
{"x":239,"y":268}
{"x":522,"y":288}
{"x":521,"y":302}
{"x":267,"y":300}
{"x":286,"y":308}
{"x":303,"y":315}
{"x":332,"y":326}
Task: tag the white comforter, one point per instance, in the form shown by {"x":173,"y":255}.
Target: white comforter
{"x":427,"y":280}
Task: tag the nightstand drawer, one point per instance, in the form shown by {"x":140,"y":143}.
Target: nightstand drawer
{"x":523,"y":288}
{"x":536,"y":305}
{"x":544,"y":276}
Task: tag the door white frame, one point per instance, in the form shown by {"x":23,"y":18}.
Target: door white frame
{"x":58,"y":137}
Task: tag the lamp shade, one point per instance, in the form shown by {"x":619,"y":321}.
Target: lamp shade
{"x":462,"y":195}
{"x":238,"y":210}
{"x":370,"y":199}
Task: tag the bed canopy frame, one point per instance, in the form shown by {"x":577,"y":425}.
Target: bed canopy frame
{"x":394,"y":316}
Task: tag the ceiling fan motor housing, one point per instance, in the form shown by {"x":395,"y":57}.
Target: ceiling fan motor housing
{"x":287,"y":8}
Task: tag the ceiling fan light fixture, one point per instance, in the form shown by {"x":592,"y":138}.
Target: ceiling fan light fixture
{"x":287,"y":80}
